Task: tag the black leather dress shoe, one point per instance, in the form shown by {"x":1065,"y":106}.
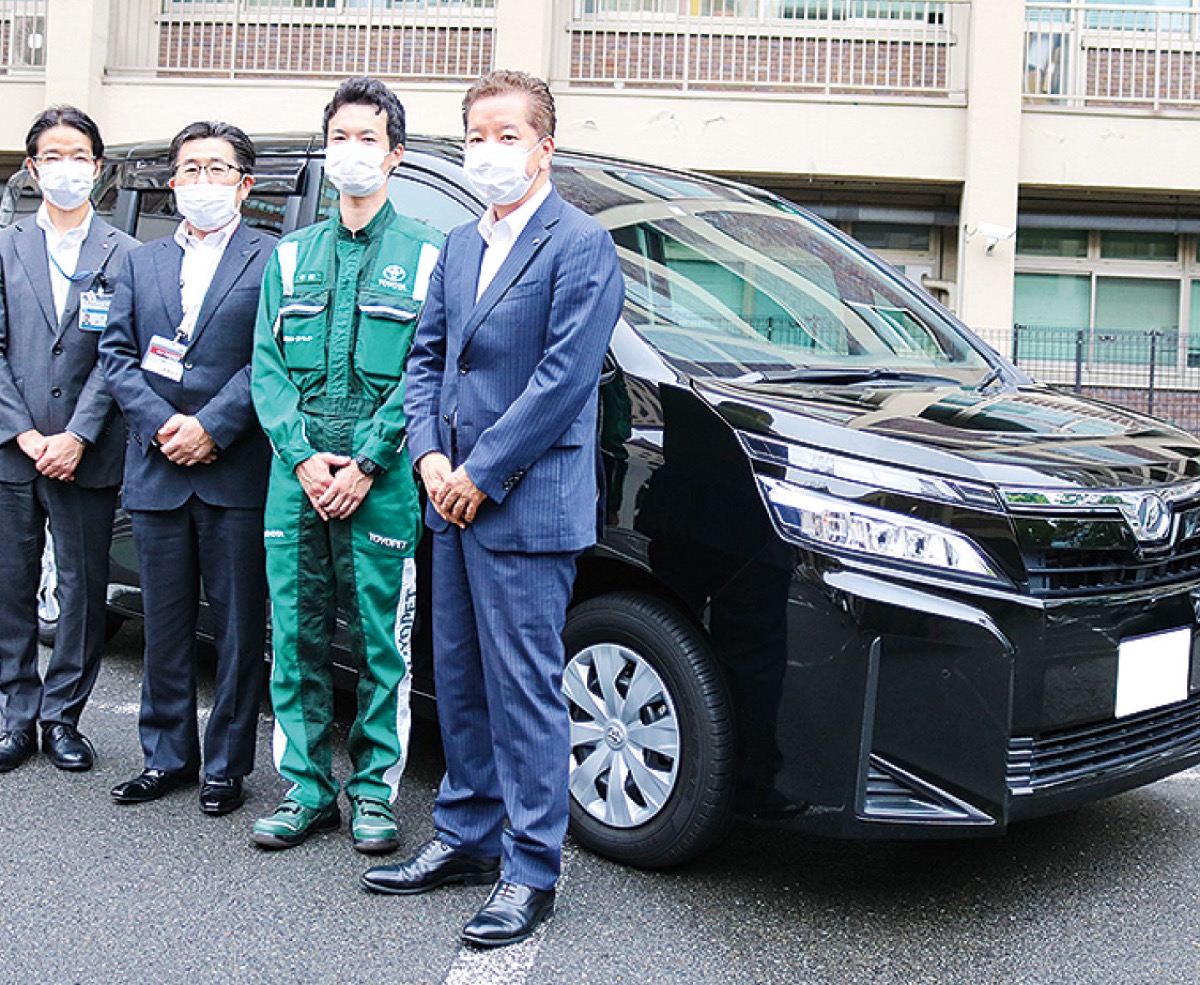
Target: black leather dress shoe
{"x":67,"y":748}
{"x":435,"y":864}
{"x":511,"y":914}
{"x":16,"y":746}
{"x":150,"y":785}
{"x":221,"y":796}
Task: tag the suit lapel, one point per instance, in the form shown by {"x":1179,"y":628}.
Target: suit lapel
{"x":168,"y":264}
{"x":93,"y":255}
{"x":534,"y":236}
{"x":36,"y":261}
{"x":239,"y":251}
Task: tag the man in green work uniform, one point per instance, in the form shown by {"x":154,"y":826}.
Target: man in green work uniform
{"x":339,"y":304}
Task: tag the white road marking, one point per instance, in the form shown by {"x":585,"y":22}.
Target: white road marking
{"x":133,"y":708}
{"x":503,"y":965}
{"x":498,"y":966}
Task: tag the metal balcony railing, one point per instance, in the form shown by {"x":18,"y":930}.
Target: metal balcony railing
{"x":409,"y":39}
{"x":22,"y":37}
{"x":859,"y":48}
{"x":1085,"y":53}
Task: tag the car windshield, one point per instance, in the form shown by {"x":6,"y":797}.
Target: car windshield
{"x":750,"y":290}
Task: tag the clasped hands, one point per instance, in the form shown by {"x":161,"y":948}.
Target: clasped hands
{"x":184,"y":441}
{"x":334,"y":484}
{"x":451,"y":490}
{"x":55,"y":456}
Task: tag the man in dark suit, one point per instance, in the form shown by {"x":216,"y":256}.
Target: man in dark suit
{"x":60,"y":442}
{"x":176,"y":354}
{"x":501,"y":403}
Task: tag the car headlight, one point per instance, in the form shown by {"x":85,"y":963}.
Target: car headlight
{"x":813,"y":517}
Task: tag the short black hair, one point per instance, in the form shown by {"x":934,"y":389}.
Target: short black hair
{"x":65,"y":116}
{"x":365,"y":91}
{"x":243,"y":146}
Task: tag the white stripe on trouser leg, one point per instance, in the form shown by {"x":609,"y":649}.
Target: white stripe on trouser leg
{"x":278,"y":744}
{"x":406,"y":608}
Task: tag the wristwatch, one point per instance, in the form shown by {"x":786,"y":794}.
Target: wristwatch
{"x":367,"y":466}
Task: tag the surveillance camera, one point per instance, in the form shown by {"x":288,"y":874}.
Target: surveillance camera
{"x":993,"y":231}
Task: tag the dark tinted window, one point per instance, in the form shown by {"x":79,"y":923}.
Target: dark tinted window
{"x":157,"y":216}
{"x":22,"y":198}
{"x":414,"y":197}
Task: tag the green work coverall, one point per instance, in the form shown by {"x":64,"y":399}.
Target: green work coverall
{"x":335,"y":319}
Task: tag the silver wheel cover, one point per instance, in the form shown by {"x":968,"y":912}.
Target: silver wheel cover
{"x":624,"y":735}
{"x":47,"y":594}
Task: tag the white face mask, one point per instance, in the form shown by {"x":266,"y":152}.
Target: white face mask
{"x":207,"y":206}
{"x":66,"y":184}
{"x":355,"y":168}
{"x":497,"y":171}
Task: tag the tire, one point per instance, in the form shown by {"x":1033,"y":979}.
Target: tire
{"x":47,"y":602}
{"x":639,"y":675}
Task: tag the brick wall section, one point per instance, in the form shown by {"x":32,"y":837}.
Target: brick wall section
{"x":1139,"y":76}
{"x":750,"y":61}
{"x":324,"y":49}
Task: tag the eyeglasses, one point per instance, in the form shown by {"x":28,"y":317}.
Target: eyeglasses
{"x":52,"y":158}
{"x":216,"y":170}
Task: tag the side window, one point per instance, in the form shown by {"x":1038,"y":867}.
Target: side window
{"x":104,"y":194}
{"x":22,"y":198}
{"x":413,"y":197}
{"x":157,"y":216}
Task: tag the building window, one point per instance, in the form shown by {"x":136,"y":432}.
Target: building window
{"x":1129,"y":245}
{"x":1052,"y":243}
{"x":1108,"y":297}
{"x":1137,"y":303}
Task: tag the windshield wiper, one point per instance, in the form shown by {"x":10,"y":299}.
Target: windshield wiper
{"x":989,"y":378}
{"x":847,"y":375}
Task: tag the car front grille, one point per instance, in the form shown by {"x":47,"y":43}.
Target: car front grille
{"x":1071,"y":557}
{"x":1072,"y":573}
{"x":1054,"y":760}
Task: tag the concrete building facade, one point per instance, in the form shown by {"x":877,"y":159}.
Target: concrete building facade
{"x":1032,"y":163}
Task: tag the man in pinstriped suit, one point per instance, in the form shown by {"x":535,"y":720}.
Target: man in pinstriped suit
{"x":501,"y":405}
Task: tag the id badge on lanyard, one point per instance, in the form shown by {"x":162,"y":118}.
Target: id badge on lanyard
{"x":164,"y":357}
{"x":93,"y":310}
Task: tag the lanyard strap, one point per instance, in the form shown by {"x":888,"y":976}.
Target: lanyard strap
{"x":74,"y":278}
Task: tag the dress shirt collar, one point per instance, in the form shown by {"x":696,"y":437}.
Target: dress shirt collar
{"x":72,"y":237}
{"x":517,"y":219}
{"x":218,"y":239}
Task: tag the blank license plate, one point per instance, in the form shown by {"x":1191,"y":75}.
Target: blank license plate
{"x":1152,"y":671}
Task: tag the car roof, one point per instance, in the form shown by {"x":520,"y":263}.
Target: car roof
{"x":281,"y":159}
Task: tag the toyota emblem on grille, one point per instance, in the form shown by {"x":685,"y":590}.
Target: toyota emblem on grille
{"x":1149,"y":518}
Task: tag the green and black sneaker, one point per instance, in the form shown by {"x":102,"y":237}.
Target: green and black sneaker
{"x":373,"y":826}
{"x":292,"y":823}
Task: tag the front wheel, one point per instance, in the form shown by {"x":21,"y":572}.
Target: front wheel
{"x":652,"y":735}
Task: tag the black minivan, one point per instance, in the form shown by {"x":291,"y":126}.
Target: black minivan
{"x":859,"y":574}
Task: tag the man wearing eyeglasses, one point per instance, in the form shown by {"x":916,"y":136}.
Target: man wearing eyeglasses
{"x":176,"y":354}
{"x":60,"y":442}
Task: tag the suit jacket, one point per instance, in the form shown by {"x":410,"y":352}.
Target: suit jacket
{"x":215,"y":385}
{"x":49,"y":376}
{"x":507,"y":387}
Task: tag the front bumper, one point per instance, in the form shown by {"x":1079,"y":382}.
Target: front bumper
{"x":914,"y":710}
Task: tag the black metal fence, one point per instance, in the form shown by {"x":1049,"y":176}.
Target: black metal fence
{"x":1156,"y":371}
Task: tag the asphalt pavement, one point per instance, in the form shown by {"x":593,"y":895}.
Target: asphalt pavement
{"x":96,"y":893}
